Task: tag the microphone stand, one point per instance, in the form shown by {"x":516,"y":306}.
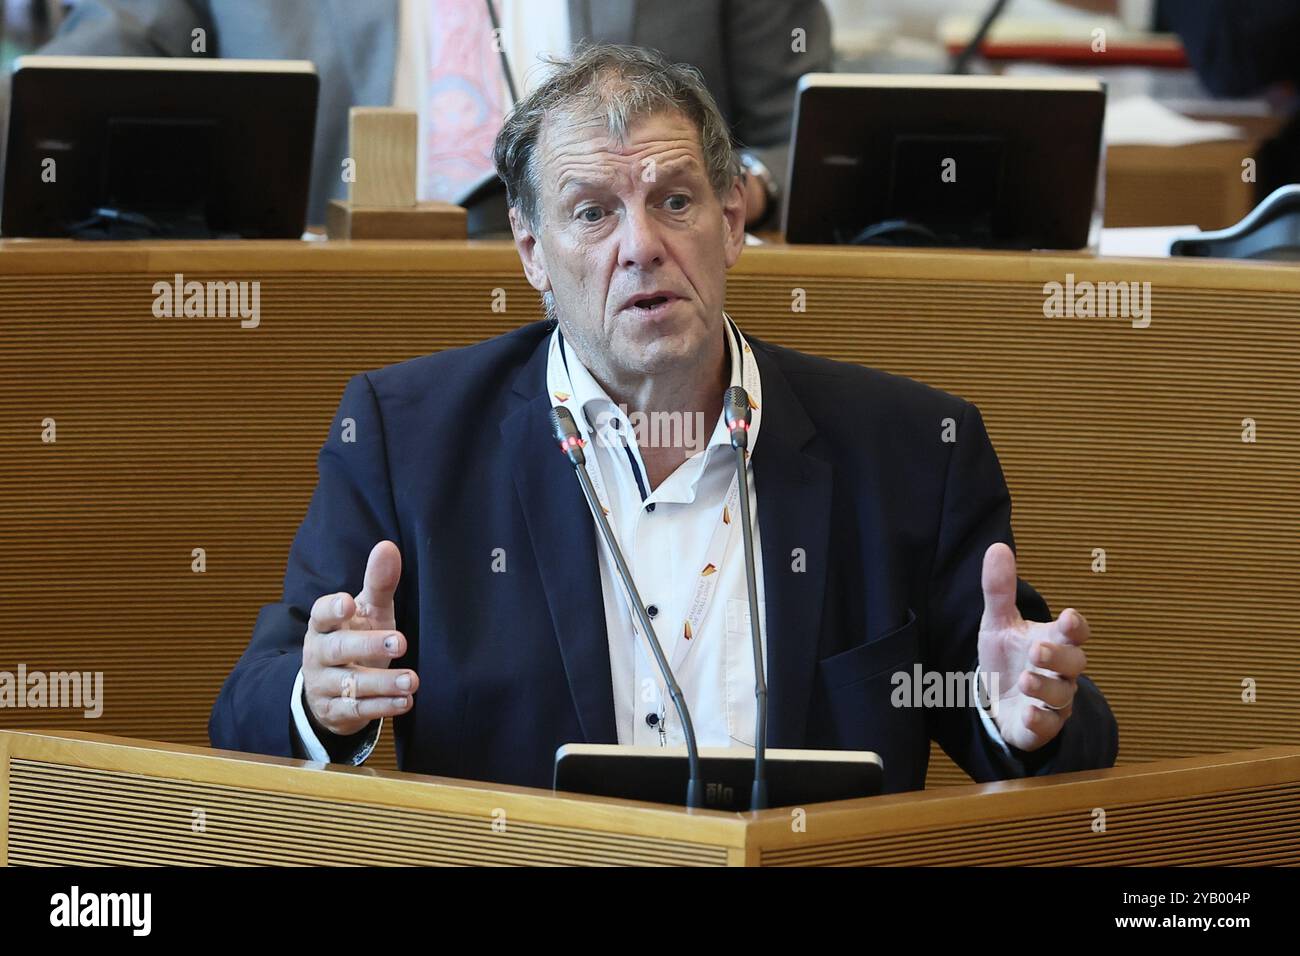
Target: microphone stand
{"x":736,"y":414}
{"x":566,"y":430}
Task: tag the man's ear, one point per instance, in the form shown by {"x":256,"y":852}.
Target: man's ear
{"x":530,"y":251}
{"x":733,"y":219}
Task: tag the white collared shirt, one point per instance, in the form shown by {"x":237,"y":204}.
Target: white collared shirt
{"x":664,"y":534}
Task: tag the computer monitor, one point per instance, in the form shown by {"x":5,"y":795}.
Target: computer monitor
{"x":660,"y":774}
{"x":157,"y":147}
{"x":969,"y":161}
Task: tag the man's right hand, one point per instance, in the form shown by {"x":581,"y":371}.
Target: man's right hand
{"x":348,"y":647}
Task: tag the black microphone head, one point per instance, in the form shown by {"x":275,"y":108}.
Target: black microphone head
{"x":565,"y":431}
{"x":736,"y":414}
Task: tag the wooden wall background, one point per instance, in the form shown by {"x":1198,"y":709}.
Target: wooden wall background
{"x":186,"y":432}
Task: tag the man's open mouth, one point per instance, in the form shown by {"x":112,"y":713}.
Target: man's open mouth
{"x":651,"y":302}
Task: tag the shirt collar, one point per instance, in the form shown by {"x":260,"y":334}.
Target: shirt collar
{"x":599,"y":412}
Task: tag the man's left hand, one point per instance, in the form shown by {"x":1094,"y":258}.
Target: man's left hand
{"x":1037,"y":663}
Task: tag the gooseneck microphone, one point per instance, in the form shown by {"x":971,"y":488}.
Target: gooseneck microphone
{"x":736,"y":414}
{"x":565,"y":430}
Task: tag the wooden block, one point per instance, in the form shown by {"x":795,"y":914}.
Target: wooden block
{"x":425,"y":220}
{"x":383,"y":144}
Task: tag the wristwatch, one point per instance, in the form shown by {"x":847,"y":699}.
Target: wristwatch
{"x":753,"y":166}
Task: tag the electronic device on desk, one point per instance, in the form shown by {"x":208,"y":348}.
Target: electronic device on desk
{"x":960,"y":161}
{"x":659,"y":774}
{"x":158,"y":147}
{"x":1270,"y":231}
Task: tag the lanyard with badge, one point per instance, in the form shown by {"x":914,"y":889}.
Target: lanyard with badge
{"x":561,"y":388}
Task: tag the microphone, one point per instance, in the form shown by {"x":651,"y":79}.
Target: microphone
{"x":565,"y":430}
{"x":736,"y":414}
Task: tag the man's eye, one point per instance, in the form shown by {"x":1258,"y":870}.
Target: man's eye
{"x":591,"y":214}
{"x":677,"y":202}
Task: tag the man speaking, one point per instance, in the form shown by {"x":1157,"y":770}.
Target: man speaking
{"x":490,"y":625}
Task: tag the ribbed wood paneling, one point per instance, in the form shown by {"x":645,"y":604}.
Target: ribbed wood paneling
{"x":1258,"y":826}
{"x":92,"y":799}
{"x":69,"y":815}
{"x":184,"y":433}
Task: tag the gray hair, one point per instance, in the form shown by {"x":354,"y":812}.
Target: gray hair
{"x":618,"y":84}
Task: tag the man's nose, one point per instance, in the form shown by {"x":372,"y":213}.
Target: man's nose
{"x":641,"y":244}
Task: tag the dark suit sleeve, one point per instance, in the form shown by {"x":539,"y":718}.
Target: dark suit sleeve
{"x":351,"y":510}
{"x":1237,"y":47}
{"x":976,"y":512}
{"x":763,"y":70}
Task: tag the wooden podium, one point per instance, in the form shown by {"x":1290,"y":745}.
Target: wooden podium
{"x":88,"y":799}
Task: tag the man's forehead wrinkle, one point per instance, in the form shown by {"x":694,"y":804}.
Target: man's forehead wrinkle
{"x":576,"y":147}
{"x":584,"y":171}
{"x":570,"y":124}
{"x":579,"y":161}
{"x":578,"y":171}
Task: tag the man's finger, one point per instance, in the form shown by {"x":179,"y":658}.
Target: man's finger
{"x":340,"y":648}
{"x":1056,"y":692}
{"x":330,"y":612}
{"x":1071,"y":627}
{"x":998,"y":580}
{"x":383,"y":571}
{"x":365,"y":682}
{"x":1066,"y":660}
{"x":1043,"y":723}
{"x":341,"y":709}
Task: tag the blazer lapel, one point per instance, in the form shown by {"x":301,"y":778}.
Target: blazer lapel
{"x":793,"y":496}
{"x":564,"y":543}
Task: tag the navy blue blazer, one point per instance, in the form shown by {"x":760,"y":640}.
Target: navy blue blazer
{"x":873,"y":533}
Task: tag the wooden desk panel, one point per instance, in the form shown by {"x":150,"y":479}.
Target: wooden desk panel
{"x":184,"y":433}
{"x":87,"y":799}
{"x":1200,"y":185}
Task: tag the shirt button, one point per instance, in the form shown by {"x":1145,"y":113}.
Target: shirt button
{"x":652,"y":610}
{"x":652,"y":720}
{"x":650,"y":507}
